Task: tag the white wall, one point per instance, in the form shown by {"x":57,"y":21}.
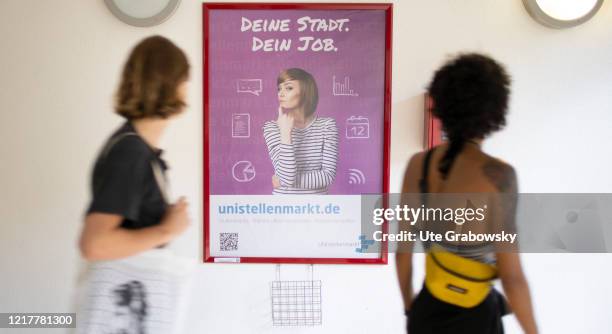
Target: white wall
{"x":60,"y":62}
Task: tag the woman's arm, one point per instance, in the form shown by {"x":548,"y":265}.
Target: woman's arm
{"x":325,"y":176}
{"x":503,"y":177}
{"x":102,"y":238}
{"x":403,"y":266}
{"x":516,"y":290}
{"x":281,"y":154}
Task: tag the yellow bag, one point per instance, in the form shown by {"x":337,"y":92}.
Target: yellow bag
{"x":458,"y":280}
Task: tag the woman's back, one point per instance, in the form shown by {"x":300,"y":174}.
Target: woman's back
{"x":474,"y":181}
{"x":469,"y":95}
{"x":472,"y":171}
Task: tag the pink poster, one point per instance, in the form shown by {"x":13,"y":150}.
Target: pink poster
{"x":296,"y":100}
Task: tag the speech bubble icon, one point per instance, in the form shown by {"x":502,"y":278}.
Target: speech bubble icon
{"x":252,"y":86}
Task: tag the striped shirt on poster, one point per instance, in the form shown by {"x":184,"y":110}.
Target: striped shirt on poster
{"x":308,"y":164}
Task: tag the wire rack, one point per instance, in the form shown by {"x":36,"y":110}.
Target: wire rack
{"x":296,"y":303}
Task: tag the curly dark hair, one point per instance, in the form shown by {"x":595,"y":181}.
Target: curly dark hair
{"x":153,"y":72}
{"x":470,"y":97}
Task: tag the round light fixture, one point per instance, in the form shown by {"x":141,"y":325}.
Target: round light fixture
{"x":561,"y":14}
{"x":142,"y":13}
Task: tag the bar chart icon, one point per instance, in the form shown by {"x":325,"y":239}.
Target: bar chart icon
{"x":343,"y":88}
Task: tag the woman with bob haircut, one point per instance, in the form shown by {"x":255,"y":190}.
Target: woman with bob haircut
{"x":303,"y":147}
{"x":470,"y":96}
{"x":129,"y":212}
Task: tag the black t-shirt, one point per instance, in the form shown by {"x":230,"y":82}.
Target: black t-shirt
{"x":124,"y":182}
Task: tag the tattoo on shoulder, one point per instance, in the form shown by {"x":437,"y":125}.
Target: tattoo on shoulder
{"x":501,"y":175}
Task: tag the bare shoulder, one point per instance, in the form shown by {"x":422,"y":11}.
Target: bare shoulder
{"x":500,"y":174}
{"x":415,"y":164}
{"x":413,"y":172}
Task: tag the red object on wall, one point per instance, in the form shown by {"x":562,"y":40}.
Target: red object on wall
{"x":388,"y":8}
{"x":433,"y":134}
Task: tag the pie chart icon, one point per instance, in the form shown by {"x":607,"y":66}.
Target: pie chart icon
{"x":243,"y":171}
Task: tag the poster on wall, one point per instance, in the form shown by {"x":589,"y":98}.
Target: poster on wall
{"x":296,"y":129}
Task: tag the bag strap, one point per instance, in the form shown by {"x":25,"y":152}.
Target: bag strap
{"x":160,"y":178}
{"x":158,"y":174}
{"x":114,"y":141}
{"x":423,"y":185}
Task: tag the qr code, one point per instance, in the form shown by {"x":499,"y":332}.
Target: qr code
{"x":228,"y":241}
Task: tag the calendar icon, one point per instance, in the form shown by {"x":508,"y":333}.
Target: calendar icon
{"x":357,"y":127}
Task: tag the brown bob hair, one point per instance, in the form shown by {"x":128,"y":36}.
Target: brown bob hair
{"x":153,"y":72}
{"x":309,"y":96}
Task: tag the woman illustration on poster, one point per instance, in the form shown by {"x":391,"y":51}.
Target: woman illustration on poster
{"x":303,"y":147}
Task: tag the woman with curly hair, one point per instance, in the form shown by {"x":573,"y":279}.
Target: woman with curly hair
{"x":470,"y":96}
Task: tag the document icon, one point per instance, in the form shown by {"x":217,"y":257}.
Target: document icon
{"x":241,"y":125}
{"x":357,"y":127}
